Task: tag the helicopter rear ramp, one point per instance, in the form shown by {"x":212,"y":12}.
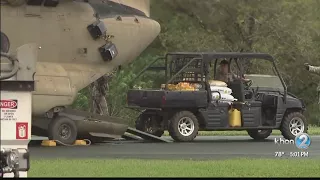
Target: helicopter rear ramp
{"x":89,"y":124}
{"x":92,"y":126}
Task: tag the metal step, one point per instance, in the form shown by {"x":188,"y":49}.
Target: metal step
{"x":146,"y":136}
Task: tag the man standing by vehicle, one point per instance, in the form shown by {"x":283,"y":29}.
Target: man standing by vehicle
{"x":316,"y":70}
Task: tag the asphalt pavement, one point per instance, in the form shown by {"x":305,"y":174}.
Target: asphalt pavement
{"x":202,"y":148}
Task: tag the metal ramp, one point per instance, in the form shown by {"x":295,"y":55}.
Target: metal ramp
{"x":143,"y":135}
{"x":131,"y":137}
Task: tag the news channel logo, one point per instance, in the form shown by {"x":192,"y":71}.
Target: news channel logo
{"x":303,"y":141}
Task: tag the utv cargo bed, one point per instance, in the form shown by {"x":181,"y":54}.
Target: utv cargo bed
{"x":166,"y":99}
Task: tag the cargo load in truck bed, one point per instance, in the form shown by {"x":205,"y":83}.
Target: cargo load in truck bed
{"x":166,"y":99}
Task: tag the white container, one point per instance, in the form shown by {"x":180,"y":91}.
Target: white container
{"x":222,"y":90}
{"x":224,"y":97}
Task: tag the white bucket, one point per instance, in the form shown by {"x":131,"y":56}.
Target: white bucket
{"x":222,"y":90}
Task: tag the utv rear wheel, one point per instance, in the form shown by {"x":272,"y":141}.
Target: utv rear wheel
{"x":63,"y":130}
{"x":259,"y":134}
{"x":149,"y":124}
{"x":183,"y":126}
{"x":292,"y":125}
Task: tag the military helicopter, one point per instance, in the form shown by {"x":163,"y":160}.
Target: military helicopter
{"x":79,"y":42}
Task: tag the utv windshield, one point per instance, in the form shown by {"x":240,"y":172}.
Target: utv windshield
{"x":265,"y":81}
{"x":262,"y":74}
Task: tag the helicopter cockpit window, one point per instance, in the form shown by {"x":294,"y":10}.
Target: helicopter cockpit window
{"x":13,"y":2}
{"x":5,"y":43}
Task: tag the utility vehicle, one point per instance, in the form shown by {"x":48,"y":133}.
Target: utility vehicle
{"x":263,"y":101}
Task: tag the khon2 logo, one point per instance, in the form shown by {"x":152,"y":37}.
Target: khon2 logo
{"x":303,"y":141}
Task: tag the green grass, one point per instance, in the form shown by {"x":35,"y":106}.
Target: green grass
{"x":175,"y":168}
{"x":313,"y":130}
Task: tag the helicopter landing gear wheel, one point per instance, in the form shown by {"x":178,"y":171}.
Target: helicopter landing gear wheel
{"x":63,"y":130}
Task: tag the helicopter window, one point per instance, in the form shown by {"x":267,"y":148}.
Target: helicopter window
{"x":5,"y":43}
{"x":51,"y":3}
{"x":34,"y":2}
{"x":47,"y":3}
{"x":109,"y":8}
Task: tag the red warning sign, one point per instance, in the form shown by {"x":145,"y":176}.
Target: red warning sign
{"x":9,"y":104}
{"x":21,"y":130}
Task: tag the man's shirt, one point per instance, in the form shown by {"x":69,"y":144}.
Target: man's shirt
{"x":225,"y":77}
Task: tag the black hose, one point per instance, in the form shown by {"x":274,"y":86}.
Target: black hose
{"x":15,"y":69}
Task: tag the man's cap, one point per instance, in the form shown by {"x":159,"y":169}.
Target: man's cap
{"x":224,"y":62}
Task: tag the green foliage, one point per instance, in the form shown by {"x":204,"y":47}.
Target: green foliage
{"x":82,"y":101}
{"x":286,"y":29}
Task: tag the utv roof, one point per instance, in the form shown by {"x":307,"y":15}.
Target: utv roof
{"x":214,"y":55}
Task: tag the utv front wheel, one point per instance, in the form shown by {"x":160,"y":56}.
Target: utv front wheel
{"x":183,"y":126}
{"x":293,"y":124}
{"x":149,"y":124}
{"x":259,"y":134}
